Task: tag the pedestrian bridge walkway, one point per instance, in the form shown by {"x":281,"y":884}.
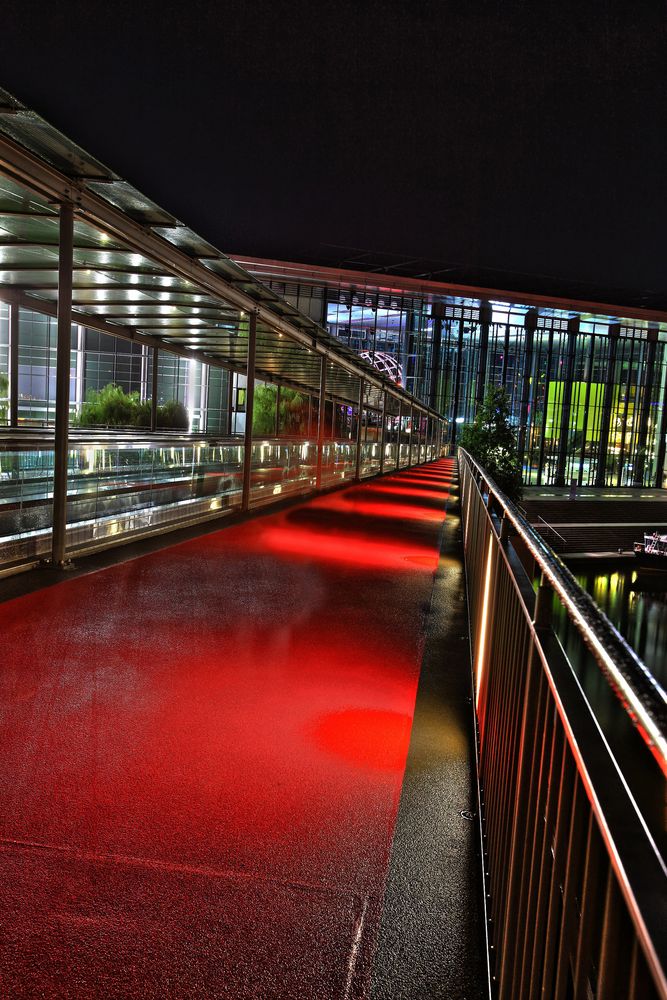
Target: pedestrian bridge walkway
{"x":202,"y":758}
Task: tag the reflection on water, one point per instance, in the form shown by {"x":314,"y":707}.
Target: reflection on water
{"x":641,"y":617}
{"x":637,"y":606}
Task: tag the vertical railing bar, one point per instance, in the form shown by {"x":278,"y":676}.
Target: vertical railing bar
{"x":588,"y":892}
{"x":522,"y":928}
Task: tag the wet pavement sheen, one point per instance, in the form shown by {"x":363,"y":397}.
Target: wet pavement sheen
{"x":202,"y":752}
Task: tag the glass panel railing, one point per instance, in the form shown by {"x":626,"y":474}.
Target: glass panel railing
{"x":370,"y":459}
{"x":338,"y":462}
{"x":114,"y":489}
{"x":282,"y":468}
{"x":390,"y":450}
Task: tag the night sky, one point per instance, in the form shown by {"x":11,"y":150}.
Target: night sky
{"x":488,"y":140}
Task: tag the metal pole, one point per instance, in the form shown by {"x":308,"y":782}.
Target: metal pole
{"x":530,"y":326}
{"x":412,"y":424}
{"x":64,"y":326}
{"x":357,"y":468}
{"x":457,"y":383}
{"x":485,"y":316}
{"x":398,"y":435}
{"x":320,"y":421}
{"x":154,"y":390}
{"x":13,"y":365}
{"x":277,"y":411}
{"x":382,"y":434}
{"x":603,"y":445}
{"x":649,"y":371}
{"x":249,"y":406}
{"x":230,"y":400}
{"x":566,"y":404}
{"x":437,"y":313}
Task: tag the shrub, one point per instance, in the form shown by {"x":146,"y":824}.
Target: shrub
{"x":111,"y":406}
{"x":491,"y":441}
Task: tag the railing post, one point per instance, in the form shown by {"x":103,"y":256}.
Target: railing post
{"x":249,"y":407}
{"x":412,"y":427}
{"x":64,"y":335}
{"x":320,"y":421}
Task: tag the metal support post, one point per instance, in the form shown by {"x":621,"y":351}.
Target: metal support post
{"x":572,"y":334}
{"x":64,"y":335}
{"x":485,"y":315}
{"x":603,"y":449}
{"x":13,"y":365}
{"x":321,"y":417}
{"x":249,"y":406}
{"x":437,"y":313}
{"x":277,"y":411}
{"x":383,"y":436}
{"x":398,"y":435}
{"x":530,"y":326}
{"x":230,"y":401}
{"x":412,"y":425}
{"x":457,"y":384}
{"x":357,"y":464}
{"x":649,"y":371}
{"x":154,"y":374}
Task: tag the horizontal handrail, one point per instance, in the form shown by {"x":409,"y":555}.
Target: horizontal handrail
{"x":640,"y":692}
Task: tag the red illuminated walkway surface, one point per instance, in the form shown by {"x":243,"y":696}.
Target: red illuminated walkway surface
{"x":202,"y":752}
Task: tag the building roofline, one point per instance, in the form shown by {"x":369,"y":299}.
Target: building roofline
{"x":286,"y":270}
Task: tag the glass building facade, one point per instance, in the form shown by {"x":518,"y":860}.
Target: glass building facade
{"x":587,"y":391}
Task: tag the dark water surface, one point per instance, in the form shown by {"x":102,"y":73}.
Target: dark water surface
{"x":636,"y":603}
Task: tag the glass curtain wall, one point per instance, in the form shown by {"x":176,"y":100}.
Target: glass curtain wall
{"x":586,"y":395}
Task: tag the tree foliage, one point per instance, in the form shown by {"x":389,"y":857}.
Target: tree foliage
{"x":111,"y":406}
{"x":490,"y":439}
{"x":293,"y":413}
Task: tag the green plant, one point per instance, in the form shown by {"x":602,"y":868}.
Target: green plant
{"x":111,"y":406}
{"x":490,"y":439}
{"x":264,"y":409}
{"x":173,"y":415}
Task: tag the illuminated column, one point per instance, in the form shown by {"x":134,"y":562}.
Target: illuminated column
{"x":357,"y":467}
{"x":642,"y":437}
{"x":13,"y":365}
{"x":63,"y":348}
{"x":530,"y":325}
{"x":154,"y":375}
{"x":320,"y":420}
{"x":457,"y":384}
{"x":249,"y":406}
{"x":614,"y":334}
{"x":437,"y":314}
{"x":567,"y":379}
{"x":485,"y":314}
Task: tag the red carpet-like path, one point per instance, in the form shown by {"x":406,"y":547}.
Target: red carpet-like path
{"x":202,"y":750}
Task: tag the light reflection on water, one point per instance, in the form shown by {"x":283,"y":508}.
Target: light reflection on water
{"x":642,"y":619}
{"x":640,"y":615}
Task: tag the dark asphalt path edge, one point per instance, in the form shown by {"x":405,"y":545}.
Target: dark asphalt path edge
{"x":432,"y":943}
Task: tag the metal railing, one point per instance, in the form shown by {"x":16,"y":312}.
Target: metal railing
{"x":572,"y":764}
{"x":124,"y":485}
